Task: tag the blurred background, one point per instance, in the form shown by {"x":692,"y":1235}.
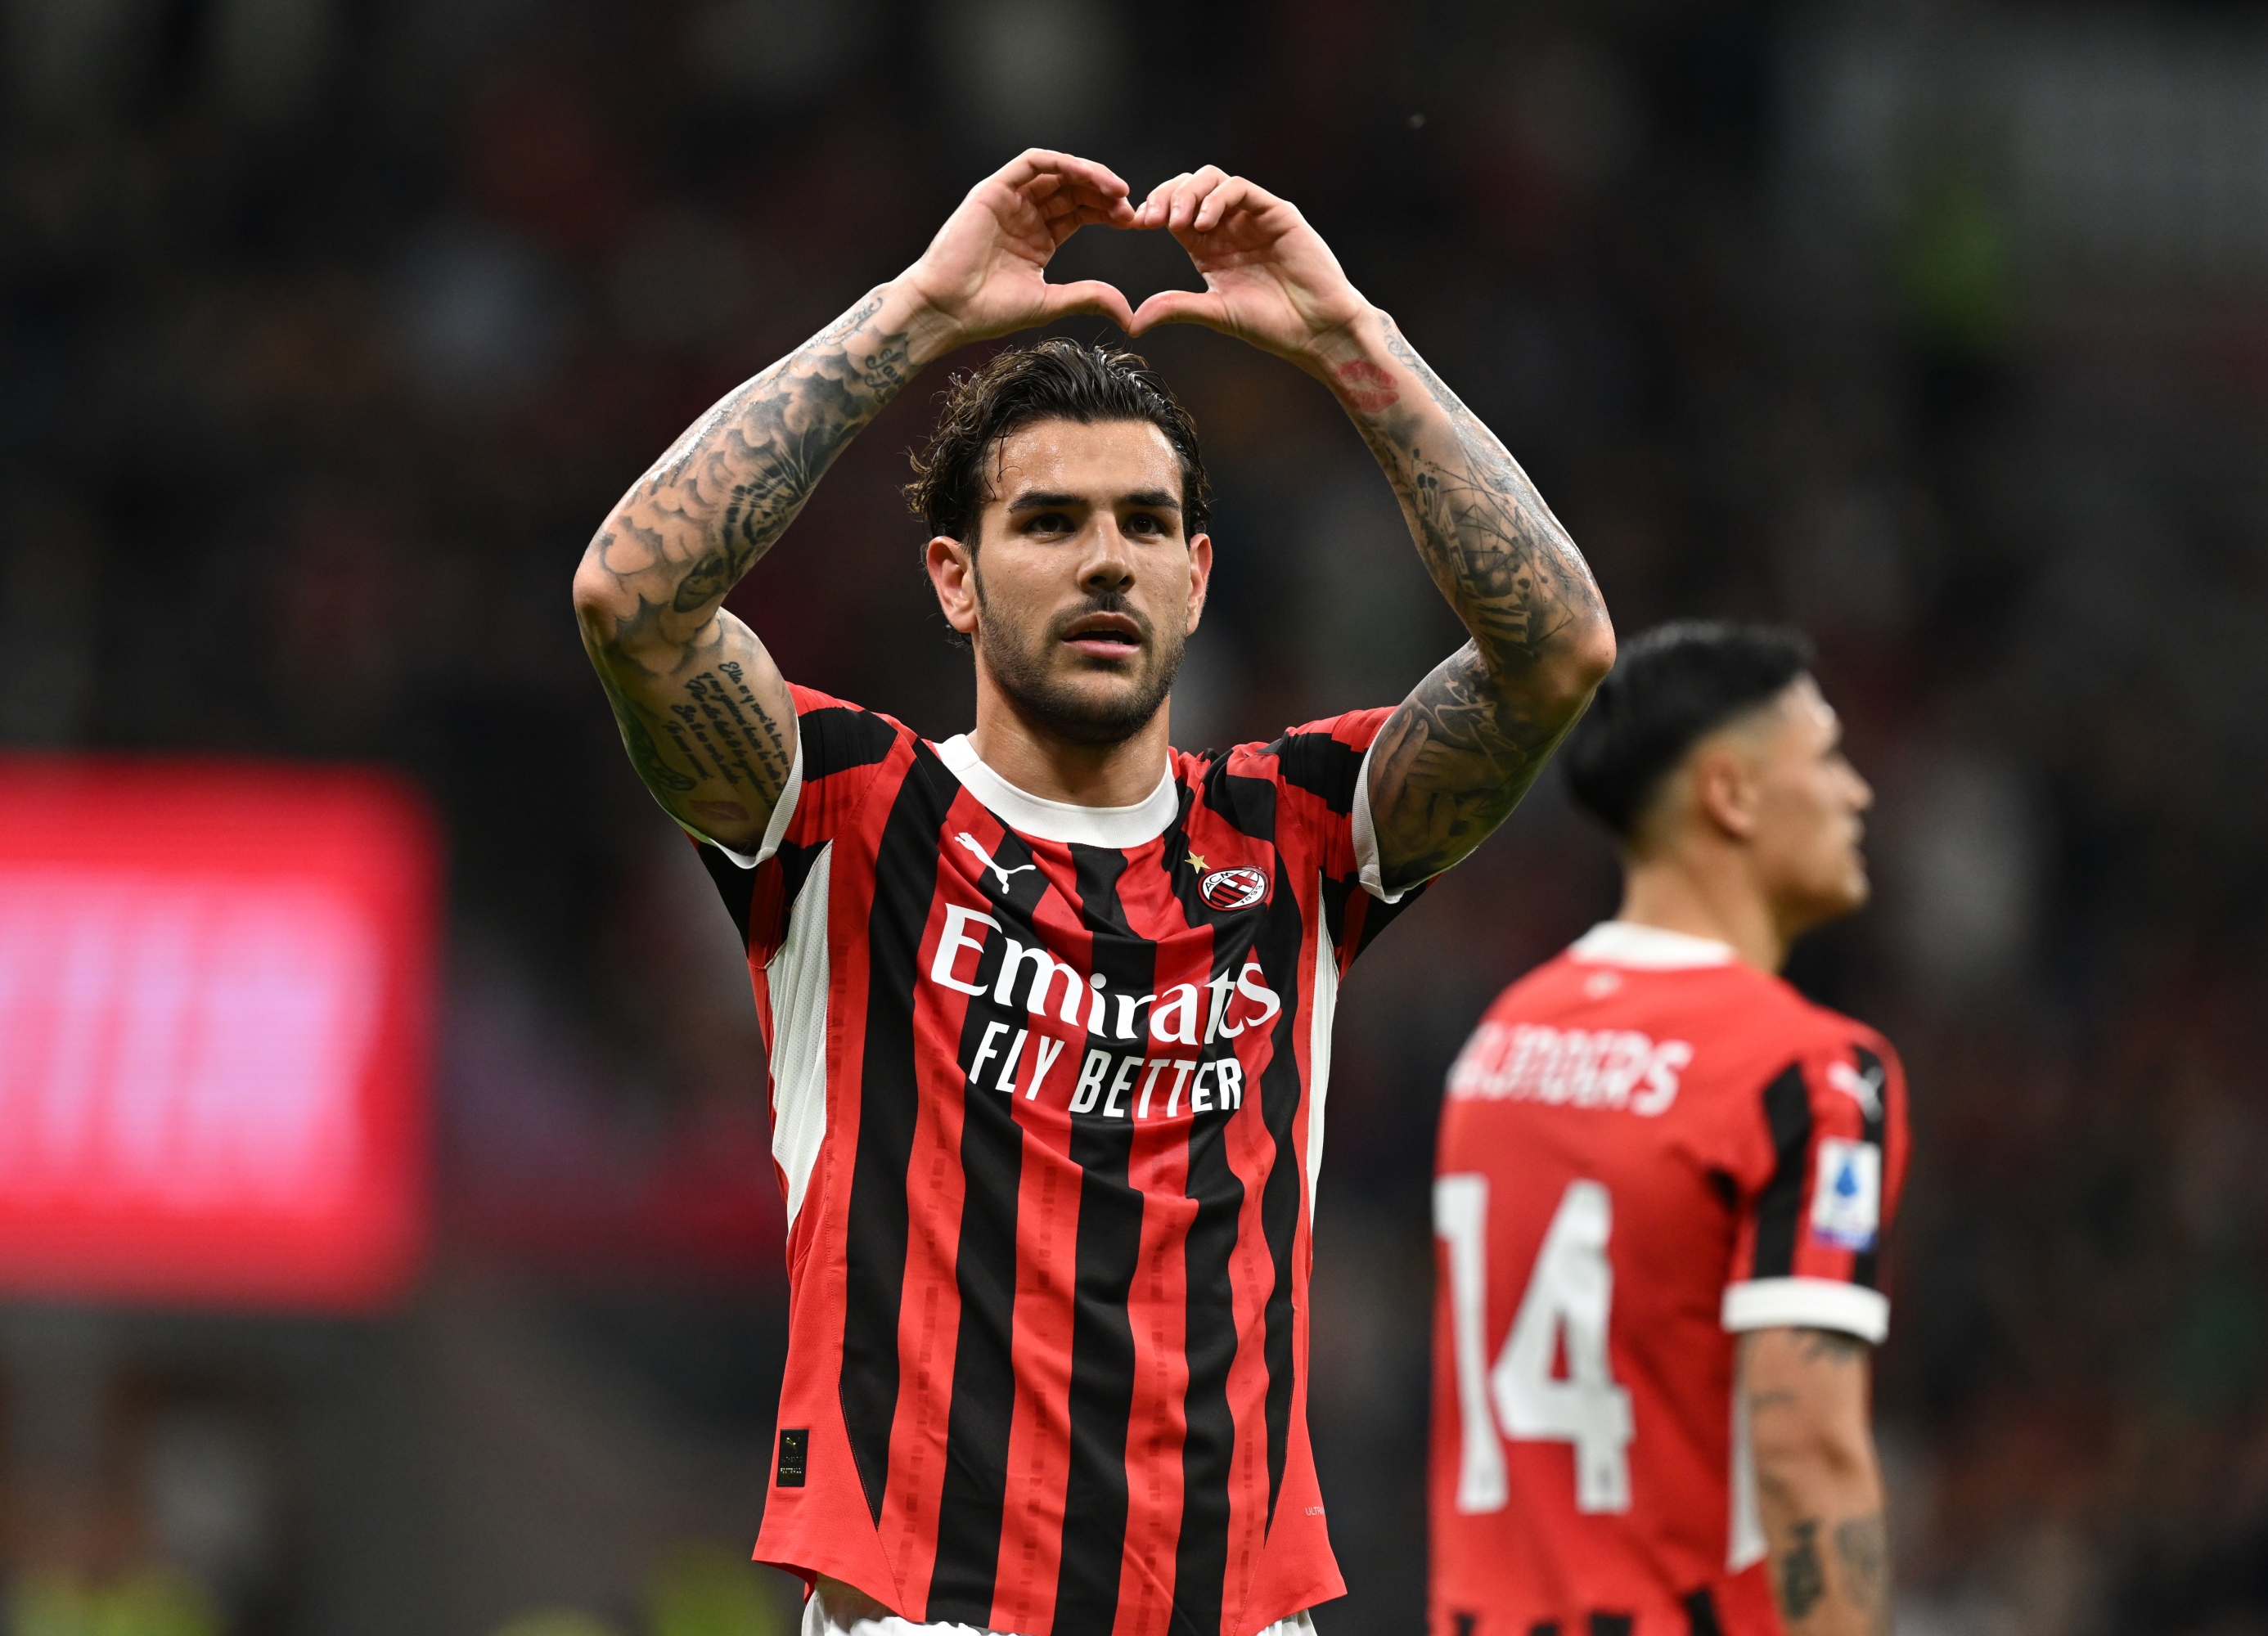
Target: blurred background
{"x":329,"y":329}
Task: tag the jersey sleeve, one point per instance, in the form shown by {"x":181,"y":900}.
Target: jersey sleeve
{"x":1809,"y":1253}
{"x":1317,"y":800}
{"x":839,"y":750}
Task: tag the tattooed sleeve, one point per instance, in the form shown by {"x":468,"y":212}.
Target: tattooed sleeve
{"x":703,"y":712}
{"x":1463,"y":748}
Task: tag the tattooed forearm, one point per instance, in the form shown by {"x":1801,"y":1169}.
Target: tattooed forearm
{"x":1490,"y":541}
{"x":1862,"y":1545}
{"x":708,"y":723}
{"x":1819,"y":1489}
{"x":1847,"y":1594}
{"x":1462,"y":750}
{"x":716,"y":501}
{"x":1799,"y":1576}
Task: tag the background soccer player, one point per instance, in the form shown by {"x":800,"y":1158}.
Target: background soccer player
{"x":1049,"y":1003}
{"x":1664,"y":1178}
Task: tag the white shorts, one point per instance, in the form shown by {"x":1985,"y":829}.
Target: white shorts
{"x":836,"y":1609}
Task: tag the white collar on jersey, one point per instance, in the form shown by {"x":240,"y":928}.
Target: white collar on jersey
{"x":1648,"y":948}
{"x":1120,"y":827}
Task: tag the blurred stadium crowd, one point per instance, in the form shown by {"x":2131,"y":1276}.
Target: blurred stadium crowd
{"x":329,"y":328}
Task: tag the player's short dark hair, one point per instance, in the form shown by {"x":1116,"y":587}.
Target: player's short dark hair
{"x":1058,"y":380}
{"x":1669,"y":688}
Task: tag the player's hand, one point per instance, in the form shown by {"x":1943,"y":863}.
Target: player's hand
{"x":1269,"y":278}
{"x":985,"y":273}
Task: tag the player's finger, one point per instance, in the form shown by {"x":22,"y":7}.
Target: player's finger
{"x":1088,"y":295}
{"x":1113,"y":209}
{"x":1173,"y":194}
{"x":1118,"y":214}
{"x":1050,"y":187}
{"x":1154,"y":208}
{"x":1233,"y":194}
{"x":1083,"y":205}
{"x":1180,"y":306}
{"x":1191,"y":194}
{"x":1033,"y":164}
{"x":1061,"y":228}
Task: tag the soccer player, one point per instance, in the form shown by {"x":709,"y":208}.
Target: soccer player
{"x":1664,"y":1178}
{"x":1049,"y":1003}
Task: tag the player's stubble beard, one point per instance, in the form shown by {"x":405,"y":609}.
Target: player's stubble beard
{"x":1021,"y":671}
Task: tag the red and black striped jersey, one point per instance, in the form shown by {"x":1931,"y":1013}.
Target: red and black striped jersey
{"x":1647,"y":1148}
{"x":1048,"y":1105}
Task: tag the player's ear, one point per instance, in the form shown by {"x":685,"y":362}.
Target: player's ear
{"x":953,"y":574}
{"x":1725,"y":789}
{"x":1200,"y":577}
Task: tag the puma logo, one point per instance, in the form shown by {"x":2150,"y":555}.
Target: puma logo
{"x":1864,"y":1089}
{"x":969,"y":841}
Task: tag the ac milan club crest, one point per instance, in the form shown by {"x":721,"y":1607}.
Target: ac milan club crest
{"x":1233,"y":889}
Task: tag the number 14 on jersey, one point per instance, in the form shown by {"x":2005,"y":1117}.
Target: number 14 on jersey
{"x":1563,"y":1312}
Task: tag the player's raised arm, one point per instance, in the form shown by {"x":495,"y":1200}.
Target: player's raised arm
{"x":703,"y":712}
{"x":1465,"y":745}
{"x":1819,"y":1489}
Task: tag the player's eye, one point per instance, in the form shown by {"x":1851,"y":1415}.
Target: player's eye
{"x":1049,"y":523}
{"x":1143,"y":523}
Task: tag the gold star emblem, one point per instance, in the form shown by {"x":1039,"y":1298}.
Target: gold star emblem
{"x":1194,"y":861}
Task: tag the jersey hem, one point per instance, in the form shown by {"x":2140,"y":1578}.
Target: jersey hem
{"x":1303,"y":1603}
{"x":1296,"y":1619}
{"x":813,"y":1572}
{"x":1807,"y":1303}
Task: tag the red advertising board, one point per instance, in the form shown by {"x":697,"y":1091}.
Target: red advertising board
{"x":216,"y":1004}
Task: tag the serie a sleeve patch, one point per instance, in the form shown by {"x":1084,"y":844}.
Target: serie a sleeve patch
{"x":1847,"y":1196}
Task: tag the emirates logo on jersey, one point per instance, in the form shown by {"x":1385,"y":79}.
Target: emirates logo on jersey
{"x":1233,"y":889}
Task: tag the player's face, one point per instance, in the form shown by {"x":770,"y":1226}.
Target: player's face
{"x":1810,"y":803}
{"x":1083,"y":589}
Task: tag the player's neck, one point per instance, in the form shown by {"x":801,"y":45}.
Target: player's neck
{"x":1053,"y":768}
{"x":1719,"y":904}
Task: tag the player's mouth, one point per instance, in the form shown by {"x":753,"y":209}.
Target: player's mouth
{"x":1105,"y":635}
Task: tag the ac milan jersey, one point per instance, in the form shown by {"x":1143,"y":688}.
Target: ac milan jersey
{"x":1048,"y":1104}
{"x":1647,"y":1148}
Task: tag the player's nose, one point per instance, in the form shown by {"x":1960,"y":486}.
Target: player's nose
{"x":1108,"y":563}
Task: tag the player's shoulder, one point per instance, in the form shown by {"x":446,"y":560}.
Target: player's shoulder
{"x":1318,"y":762}
{"x":1321,"y":757}
{"x":1619,"y":975}
{"x":839,"y":735}
{"x":1823,"y":1028}
{"x":1780,"y":1027}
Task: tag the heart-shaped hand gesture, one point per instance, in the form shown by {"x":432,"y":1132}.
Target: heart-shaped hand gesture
{"x":1269,"y":278}
{"x":985,"y":273}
